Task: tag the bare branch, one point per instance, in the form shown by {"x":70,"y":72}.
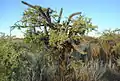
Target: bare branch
{"x":61,"y":11}
{"x":48,"y":15}
{"x":28,"y":4}
{"x":69,"y":19}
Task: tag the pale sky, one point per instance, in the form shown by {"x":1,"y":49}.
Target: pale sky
{"x":104,"y":13}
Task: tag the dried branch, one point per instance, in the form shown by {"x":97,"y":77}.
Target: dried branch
{"x":69,"y":19}
{"x":48,"y":15}
{"x":59,"y":18}
{"x":28,"y":5}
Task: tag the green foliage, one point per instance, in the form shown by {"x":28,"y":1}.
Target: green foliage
{"x":110,"y":34}
{"x":8,"y":56}
{"x":57,"y":37}
{"x":82,"y":24}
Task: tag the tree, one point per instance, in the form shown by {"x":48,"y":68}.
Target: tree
{"x":59,"y":38}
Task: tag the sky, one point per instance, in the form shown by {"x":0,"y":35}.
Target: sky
{"x":104,"y":13}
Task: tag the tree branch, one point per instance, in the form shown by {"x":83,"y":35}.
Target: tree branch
{"x":59,"y":18}
{"x":43,"y":14}
{"x":48,"y":15}
{"x":28,"y":4}
{"x":70,"y":17}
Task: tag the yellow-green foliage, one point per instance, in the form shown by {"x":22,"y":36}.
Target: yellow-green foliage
{"x":57,"y":37}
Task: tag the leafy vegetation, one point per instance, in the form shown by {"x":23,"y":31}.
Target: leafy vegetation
{"x":59,"y":50}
